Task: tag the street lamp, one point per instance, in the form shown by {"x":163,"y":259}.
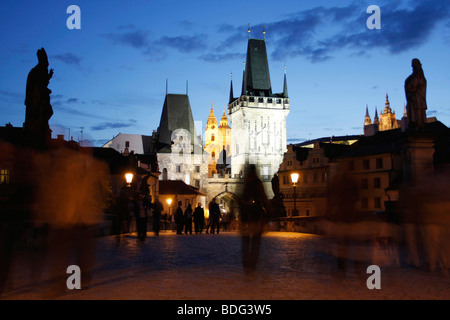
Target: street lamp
{"x":294,"y":179}
{"x":169,"y":202}
{"x":129,"y":178}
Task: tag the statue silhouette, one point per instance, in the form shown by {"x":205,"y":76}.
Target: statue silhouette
{"x":37,"y":100}
{"x":415,"y":91}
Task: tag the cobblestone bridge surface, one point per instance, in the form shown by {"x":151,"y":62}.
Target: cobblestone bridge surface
{"x":291,"y":266}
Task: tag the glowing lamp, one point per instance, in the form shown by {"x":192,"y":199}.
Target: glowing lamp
{"x":129,"y":178}
{"x":294,"y":177}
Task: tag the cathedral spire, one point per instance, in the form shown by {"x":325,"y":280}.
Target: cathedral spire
{"x":387,"y":105}
{"x":375,"y":119}
{"x":367,"y":120}
{"x":231,"y":89}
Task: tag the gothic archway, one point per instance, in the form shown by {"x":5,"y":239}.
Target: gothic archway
{"x":230,"y":202}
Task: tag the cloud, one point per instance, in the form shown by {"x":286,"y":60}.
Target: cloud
{"x":186,"y":44}
{"x":68,"y":58}
{"x":402,"y":29}
{"x":218,"y":57}
{"x":110,"y":125}
{"x":316,"y":34}
{"x":11,"y":96}
{"x":132,"y":37}
{"x":296,"y":140}
{"x":156,"y":48}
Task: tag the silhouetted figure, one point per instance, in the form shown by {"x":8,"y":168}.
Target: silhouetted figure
{"x":71,"y":199}
{"x":425,"y":222}
{"x":255,"y":205}
{"x":277,"y":205}
{"x":214,"y":216}
{"x":179,"y":218}
{"x":157,"y":211}
{"x":342,"y":199}
{"x":142,"y":212}
{"x":416,"y":100}
{"x":199,"y":219}
{"x":37,"y":101}
{"x":188,"y":219}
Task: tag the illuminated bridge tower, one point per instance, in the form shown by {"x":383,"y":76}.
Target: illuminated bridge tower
{"x":258,"y":118}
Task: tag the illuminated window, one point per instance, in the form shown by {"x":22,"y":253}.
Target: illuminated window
{"x":4,"y":176}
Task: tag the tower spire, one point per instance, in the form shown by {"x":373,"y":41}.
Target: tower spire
{"x":231,"y":89}
{"x":367,"y":119}
{"x":248,"y":30}
{"x":285,"y":89}
{"x":375,"y":119}
{"x":264,"y":31}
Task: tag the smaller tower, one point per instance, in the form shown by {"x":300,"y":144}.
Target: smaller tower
{"x":367,"y":120}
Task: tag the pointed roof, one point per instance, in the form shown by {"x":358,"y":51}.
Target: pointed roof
{"x":212,"y":120}
{"x":367,"y":119}
{"x":375,"y":119}
{"x":285,"y":89}
{"x":176,"y":114}
{"x":231,"y":90}
{"x":256,"y":80}
{"x":224,"y":121}
{"x":387,"y":105}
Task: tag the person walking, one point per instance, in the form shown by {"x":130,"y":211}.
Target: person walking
{"x":188,"y":220}
{"x":179,"y":218}
{"x":142,"y":213}
{"x":157,"y":211}
{"x":255,"y":208}
{"x":214,"y":213}
{"x":199,"y":219}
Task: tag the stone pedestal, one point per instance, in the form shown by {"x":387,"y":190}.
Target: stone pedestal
{"x":418,"y":152}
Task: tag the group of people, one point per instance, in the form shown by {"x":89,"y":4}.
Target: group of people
{"x":183,"y":219}
{"x":142,"y":208}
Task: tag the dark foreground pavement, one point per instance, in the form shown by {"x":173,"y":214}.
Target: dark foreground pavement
{"x":291,"y":266}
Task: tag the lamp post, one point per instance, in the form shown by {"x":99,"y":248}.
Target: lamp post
{"x":129,"y":178}
{"x":294,"y":179}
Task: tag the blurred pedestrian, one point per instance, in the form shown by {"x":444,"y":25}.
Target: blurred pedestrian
{"x":157,"y":211}
{"x":179,"y":218}
{"x":255,"y":206}
{"x":142,"y":213}
{"x":199,"y":219}
{"x":188,"y":219}
{"x":214,"y":215}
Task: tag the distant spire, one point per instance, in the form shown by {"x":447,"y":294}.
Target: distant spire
{"x":367,"y":120}
{"x":187,"y":87}
{"x":231,"y":89}
{"x":244,"y":82}
{"x":285,"y":89}
{"x":375,"y":119}
{"x":264,"y":31}
{"x":167,"y":86}
{"x":248,"y":30}
{"x":387,"y":105}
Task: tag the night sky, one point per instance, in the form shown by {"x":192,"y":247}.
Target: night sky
{"x":110,"y":75}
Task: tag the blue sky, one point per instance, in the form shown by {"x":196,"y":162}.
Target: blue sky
{"x":110,"y":76}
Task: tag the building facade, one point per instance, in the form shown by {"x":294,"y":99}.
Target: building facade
{"x":258,"y":117}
